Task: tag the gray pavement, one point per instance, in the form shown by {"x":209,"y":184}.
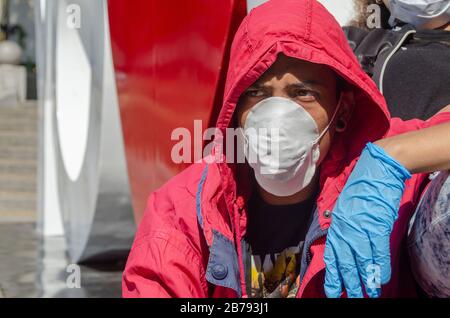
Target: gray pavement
{"x":18,"y":257}
{"x":32,"y":266}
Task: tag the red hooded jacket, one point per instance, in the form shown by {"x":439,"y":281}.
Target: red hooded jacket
{"x":189,"y":243}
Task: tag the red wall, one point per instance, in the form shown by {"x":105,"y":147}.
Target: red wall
{"x":170,"y":61}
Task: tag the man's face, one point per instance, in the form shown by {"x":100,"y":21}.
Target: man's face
{"x":311,"y":86}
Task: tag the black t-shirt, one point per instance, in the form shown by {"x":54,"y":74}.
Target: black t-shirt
{"x":417,"y":77}
{"x":275,"y":234}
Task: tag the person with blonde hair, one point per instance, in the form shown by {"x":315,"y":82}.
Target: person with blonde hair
{"x":407,"y":57}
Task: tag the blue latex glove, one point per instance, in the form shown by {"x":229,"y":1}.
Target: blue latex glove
{"x":357,"y":251}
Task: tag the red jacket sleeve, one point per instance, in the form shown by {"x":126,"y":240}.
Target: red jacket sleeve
{"x":399,"y":126}
{"x":162,"y":263}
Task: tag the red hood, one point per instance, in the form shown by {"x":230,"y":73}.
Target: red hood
{"x":304,"y":29}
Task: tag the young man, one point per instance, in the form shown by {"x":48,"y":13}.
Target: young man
{"x":220,"y":229}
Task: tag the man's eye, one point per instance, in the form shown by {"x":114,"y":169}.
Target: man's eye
{"x":254,"y":93}
{"x":304,"y":94}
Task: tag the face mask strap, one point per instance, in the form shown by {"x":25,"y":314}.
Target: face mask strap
{"x":331,"y":121}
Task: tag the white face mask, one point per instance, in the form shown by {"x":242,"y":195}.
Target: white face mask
{"x":282,"y":145}
{"x":423,"y":14}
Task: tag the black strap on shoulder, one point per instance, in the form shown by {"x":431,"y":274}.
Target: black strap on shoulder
{"x":373,"y":47}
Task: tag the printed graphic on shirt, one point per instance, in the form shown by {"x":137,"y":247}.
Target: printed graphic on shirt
{"x":276,"y":275}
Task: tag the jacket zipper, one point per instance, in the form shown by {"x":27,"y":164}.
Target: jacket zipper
{"x":322,"y":234}
{"x":238,"y":206}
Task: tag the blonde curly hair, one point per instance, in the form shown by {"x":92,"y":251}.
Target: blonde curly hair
{"x":362,"y":15}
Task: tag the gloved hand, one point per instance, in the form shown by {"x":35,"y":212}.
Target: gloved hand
{"x":357,"y":249}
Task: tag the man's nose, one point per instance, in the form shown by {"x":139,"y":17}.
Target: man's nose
{"x":280,"y":93}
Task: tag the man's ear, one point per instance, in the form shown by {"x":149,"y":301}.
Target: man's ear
{"x":346,"y":111}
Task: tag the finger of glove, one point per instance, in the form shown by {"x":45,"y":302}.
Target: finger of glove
{"x":333,"y":282}
{"x":362,"y":250}
{"x":382,"y":256}
{"x":349,"y":271}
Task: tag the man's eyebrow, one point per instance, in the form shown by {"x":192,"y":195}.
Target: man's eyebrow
{"x":305,"y":84}
{"x":256,"y":86}
{"x":302,"y":84}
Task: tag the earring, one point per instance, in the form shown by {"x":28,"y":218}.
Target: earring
{"x":341,"y":125}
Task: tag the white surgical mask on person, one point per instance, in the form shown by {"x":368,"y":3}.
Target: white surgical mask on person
{"x":423,"y":14}
{"x":282,"y":145}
